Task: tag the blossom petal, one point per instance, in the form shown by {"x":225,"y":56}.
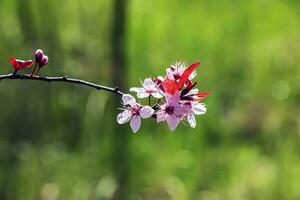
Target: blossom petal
{"x":161,"y":116}
{"x":149,"y":84}
{"x":27,"y":64}
{"x":142,"y":94}
{"x":170,"y":86}
{"x":187,"y":72}
{"x":128,"y":99}
{"x":135,"y":123}
{"x":157,"y":95}
{"x":137,"y":89}
{"x":199,"y":108}
{"x":146,"y":111}
{"x":173,"y":99}
{"x":200,"y":96}
{"x":191,"y":119}
{"x":172,"y":122}
{"x":124,"y":117}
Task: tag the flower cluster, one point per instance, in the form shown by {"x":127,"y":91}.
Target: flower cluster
{"x":40,"y":60}
{"x":177,"y":98}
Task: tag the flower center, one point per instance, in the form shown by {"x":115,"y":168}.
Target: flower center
{"x":135,"y":110}
{"x":149,"y":91}
{"x":176,"y":76}
{"x":169,"y":110}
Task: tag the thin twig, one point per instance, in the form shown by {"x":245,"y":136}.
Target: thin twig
{"x":60,"y":79}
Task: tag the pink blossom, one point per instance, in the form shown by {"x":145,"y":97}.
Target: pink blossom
{"x":133,"y":112}
{"x":175,"y":71}
{"x":178,"y":98}
{"x":172,"y":111}
{"x":150,"y":87}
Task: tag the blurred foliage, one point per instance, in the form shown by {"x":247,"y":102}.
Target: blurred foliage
{"x":56,"y":139}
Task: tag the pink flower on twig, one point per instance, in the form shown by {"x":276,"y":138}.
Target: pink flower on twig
{"x":172,"y":111}
{"x":133,"y":112}
{"x":150,"y":87}
{"x":178,"y":99}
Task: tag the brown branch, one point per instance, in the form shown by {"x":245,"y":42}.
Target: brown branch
{"x":60,"y":79}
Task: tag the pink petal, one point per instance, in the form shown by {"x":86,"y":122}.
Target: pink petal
{"x":191,"y":119}
{"x":146,"y":111}
{"x":124,"y":117}
{"x":173,"y":99}
{"x":172,"y":122}
{"x":161,"y":116}
{"x":128,"y":99}
{"x":135,"y":123}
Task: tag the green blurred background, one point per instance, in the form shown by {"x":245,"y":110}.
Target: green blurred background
{"x":61,"y":141}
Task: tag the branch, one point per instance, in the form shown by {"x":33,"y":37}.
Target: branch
{"x":60,"y":79}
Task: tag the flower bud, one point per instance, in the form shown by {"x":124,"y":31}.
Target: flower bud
{"x":38,"y":55}
{"x":44,"y":61}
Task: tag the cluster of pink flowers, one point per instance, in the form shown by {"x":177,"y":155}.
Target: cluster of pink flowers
{"x":177,"y":99}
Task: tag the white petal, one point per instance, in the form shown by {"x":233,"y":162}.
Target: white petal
{"x":172,"y":122}
{"x":137,"y":89}
{"x":128,"y":99}
{"x":191,"y":119}
{"x":146,"y":111}
{"x":148,"y":83}
{"x":142,"y":94}
{"x":124,"y":117}
{"x":169,"y":70}
{"x":157,"y":95}
{"x":135,"y":123}
{"x":199,"y":108}
{"x":160,"y":78}
{"x":193,"y":75}
{"x":192,"y":91}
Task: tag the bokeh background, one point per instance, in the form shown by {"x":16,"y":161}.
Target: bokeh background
{"x":61,"y":141}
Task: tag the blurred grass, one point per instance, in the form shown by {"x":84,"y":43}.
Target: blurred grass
{"x":56,"y":141}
